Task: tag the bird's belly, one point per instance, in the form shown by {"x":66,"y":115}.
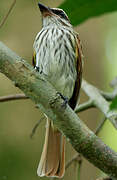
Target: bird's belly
{"x":63,"y":85}
{"x":60,"y":76}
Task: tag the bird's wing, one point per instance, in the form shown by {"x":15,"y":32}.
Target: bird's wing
{"x":79,"y":64}
{"x":34,"y":58}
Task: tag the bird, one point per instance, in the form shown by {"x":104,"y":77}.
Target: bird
{"x":57,"y":54}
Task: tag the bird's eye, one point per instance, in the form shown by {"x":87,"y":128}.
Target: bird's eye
{"x":60,"y":13}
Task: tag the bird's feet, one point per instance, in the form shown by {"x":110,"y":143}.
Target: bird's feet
{"x":37,"y":68}
{"x":65,"y":100}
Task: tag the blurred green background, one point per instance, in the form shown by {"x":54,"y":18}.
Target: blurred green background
{"x":19,"y":155}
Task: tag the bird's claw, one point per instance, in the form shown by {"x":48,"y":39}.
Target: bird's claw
{"x":65,"y":100}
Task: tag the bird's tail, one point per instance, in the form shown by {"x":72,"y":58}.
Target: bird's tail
{"x":52,"y":162}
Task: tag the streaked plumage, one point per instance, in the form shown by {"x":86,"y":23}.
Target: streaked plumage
{"x":58,"y":55}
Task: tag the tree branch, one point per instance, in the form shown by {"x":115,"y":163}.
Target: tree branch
{"x":41,"y":92}
{"x":99,"y":102}
{"x":84,"y":106}
{"x":36,"y":126}
{"x":13,"y":97}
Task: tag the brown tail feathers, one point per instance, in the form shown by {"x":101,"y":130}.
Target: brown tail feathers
{"x":52,"y":162}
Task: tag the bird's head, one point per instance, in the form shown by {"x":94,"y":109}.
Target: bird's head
{"x":51,"y":16}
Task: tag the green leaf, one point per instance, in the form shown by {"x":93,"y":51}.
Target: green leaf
{"x":113,"y":105}
{"x":80,"y":10}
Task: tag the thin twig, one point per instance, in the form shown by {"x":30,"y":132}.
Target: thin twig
{"x":76,"y":157}
{"x":13,"y":97}
{"x":84,"y":106}
{"x":6,"y":16}
{"x":79,"y":166}
{"x":36,"y":126}
{"x":100,"y":126}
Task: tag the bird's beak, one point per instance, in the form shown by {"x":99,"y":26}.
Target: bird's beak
{"x":45,"y":11}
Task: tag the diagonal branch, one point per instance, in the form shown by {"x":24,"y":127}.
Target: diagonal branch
{"x":41,"y":92}
{"x":98,"y":129}
{"x":6,"y":16}
{"x":99,"y":102}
